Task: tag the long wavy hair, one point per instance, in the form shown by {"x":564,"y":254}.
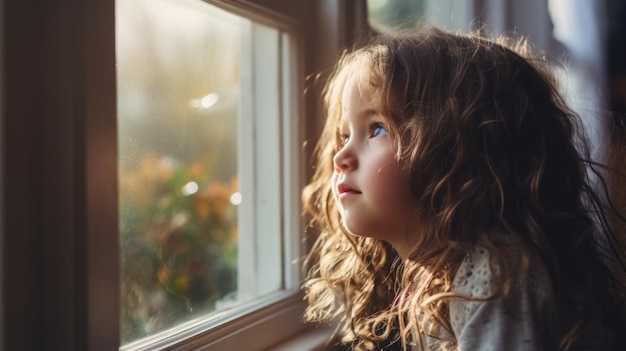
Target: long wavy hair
{"x":490,"y":147}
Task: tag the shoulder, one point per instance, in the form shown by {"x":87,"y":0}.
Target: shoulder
{"x":482,"y":316}
{"x":482,"y":270}
{"x":475,"y":276}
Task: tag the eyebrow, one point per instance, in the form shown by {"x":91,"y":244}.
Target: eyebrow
{"x":371,"y":112}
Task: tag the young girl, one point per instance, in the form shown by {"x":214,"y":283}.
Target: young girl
{"x":456,"y":206}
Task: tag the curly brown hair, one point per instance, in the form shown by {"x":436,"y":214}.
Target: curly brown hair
{"x":489,"y":146}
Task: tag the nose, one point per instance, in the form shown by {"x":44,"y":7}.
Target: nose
{"x":345,"y":160}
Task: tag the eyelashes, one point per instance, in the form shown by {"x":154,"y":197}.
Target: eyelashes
{"x":375,"y":129}
{"x":343,"y":140}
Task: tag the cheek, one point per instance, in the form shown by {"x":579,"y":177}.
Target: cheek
{"x":395,"y":185}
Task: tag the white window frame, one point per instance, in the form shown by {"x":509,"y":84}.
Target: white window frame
{"x":264,"y":217}
{"x":270,"y":225}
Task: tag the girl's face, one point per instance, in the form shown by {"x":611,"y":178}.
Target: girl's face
{"x":373,"y":196}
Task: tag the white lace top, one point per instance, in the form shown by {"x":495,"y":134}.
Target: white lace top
{"x":488,"y":325}
{"x":521,"y":322}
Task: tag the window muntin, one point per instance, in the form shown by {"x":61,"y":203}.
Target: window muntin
{"x":206,"y":137}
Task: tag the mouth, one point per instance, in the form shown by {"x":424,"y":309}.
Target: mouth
{"x":346,"y":189}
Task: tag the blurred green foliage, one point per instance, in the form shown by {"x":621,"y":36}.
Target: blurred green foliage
{"x":179,"y":252}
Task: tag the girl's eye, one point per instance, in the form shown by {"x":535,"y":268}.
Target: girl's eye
{"x":377,"y":129}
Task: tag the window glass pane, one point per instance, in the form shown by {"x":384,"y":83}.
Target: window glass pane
{"x":194,"y":143}
{"x":385,"y":15}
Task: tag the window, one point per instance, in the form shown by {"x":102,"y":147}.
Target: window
{"x":208,"y":167}
{"x":398,"y":14}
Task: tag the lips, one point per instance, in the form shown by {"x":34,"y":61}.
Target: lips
{"x":346,"y":189}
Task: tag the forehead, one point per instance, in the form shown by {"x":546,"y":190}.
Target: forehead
{"x":352,"y":95}
{"x":353,"y":76}
{"x":353,"y":105}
